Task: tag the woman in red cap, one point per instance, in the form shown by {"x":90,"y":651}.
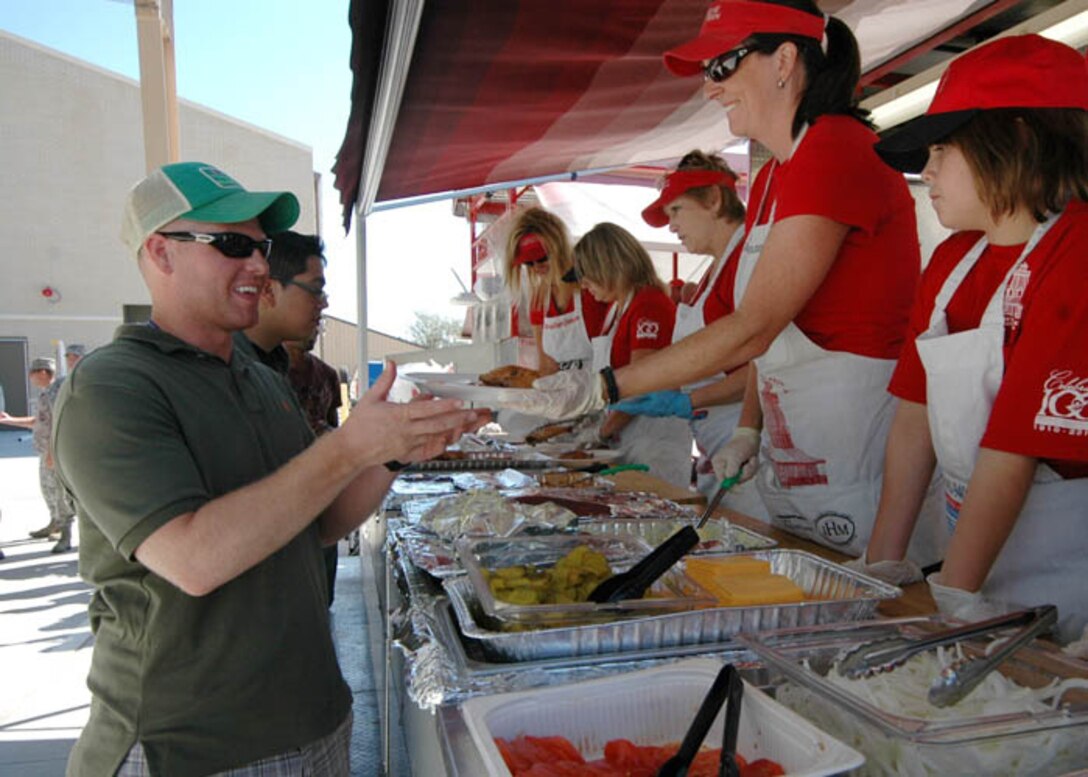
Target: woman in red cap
{"x":563,"y":316}
{"x":993,"y":382}
{"x":618,"y":271}
{"x":825,"y":279}
{"x":699,"y":204}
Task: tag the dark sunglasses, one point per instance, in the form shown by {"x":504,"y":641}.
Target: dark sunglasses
{"x":232,"y":244}
{"x":541,"y":260}
{"x":725,"y":65}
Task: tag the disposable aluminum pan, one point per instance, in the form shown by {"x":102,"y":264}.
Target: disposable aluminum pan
{"x":717,"y":536}
{"x":836,"y":594}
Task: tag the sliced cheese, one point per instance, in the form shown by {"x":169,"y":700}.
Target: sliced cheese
{"x":713,"y":568}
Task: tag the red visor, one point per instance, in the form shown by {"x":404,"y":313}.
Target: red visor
{"x":729,"y":22}
{"x":678,"y":183}
{"x":1020,"y":71}
{"x":530,"y":248}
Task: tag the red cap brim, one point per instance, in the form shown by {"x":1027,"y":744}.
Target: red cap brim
{"x":678,"y":183}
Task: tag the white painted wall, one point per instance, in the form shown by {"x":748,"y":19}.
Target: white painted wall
{"x":71,"y":146}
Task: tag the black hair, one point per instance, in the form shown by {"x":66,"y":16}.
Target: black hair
{"x":290,"y":252}
{"x":831,"y":79}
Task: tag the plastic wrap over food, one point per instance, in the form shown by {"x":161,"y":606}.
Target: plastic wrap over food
{"x":503,"y":480}
{"x":488,"y":513}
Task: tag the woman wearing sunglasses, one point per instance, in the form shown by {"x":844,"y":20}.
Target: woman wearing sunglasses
{"x":825,"y":278}
{"x":993,"y":382}
{"x":564,"y":318}
{"x":699,"y":204}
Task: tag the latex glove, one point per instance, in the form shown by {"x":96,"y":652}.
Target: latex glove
{"x":564,"y":394}
{"x":894,"y":572}
{"x":740,"y":454}
{"x":965,"y":605}
{"x":1079,"y":648}
{"x":659,"y":404}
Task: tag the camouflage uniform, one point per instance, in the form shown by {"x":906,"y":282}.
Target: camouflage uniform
{"x":61,"y":510}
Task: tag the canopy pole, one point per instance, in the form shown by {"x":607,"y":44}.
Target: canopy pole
{"x":361,"y":303}
{"x":158,"y":86}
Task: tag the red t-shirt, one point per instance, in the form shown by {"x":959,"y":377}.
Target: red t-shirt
{"x":719,"y":302}
{"x":1041,"y":408}
{"x":646,"y":324}
{"x":863,"y":303}
{"x":593,"y":313}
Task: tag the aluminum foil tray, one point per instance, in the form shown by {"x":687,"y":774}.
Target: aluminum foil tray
{"x":478,"y":462}
{"x":717,"y":536}
{"x":838,"y":594}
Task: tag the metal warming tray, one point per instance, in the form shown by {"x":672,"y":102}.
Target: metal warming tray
{"x":718,"y":536}
{"x":997,"y":729}
{"x":837,"y":594}
{"x":673,"y":591}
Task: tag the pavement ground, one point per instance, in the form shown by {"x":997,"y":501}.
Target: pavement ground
{"x":45,"y":639}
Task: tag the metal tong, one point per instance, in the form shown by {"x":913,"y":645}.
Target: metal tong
{"x":963,"y":676}
{"x":887,"y":653}
{"x":727,"y":688}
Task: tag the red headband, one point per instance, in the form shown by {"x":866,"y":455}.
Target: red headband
{"x":729,"y":22}
{"x":530,"y":248}
{"x":680,"y":182}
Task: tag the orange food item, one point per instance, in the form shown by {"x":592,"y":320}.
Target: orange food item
{"x":743,"y":581}
{"x":510,"y":376}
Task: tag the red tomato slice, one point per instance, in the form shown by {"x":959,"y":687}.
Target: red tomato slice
{"x":764,"y":767}
{"x":512,"y":754}
{"x":558,"y":748}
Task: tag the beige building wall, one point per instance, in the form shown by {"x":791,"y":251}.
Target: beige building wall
{"x":71,"y":146}
{"x":336,"y":344}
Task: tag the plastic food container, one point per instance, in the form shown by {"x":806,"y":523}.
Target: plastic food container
{"x":672,"y":592}
{"x":894,"y":739}
{"x":652,"y":707}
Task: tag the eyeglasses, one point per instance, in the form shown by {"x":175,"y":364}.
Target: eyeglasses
{"x":316,"y":292}
{"x":232,"y":244}
{"x":725,"y":65}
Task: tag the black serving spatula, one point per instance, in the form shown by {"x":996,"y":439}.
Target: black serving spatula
{"x":633,"y":583}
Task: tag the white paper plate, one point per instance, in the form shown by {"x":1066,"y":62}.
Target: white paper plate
{"x":464,"y":385}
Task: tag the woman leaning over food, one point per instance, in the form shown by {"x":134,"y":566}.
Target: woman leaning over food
{"x":615,"y":268}
{"x":993,"y":383}
{"x":699,"y":204}
{"x":564,"y":317}
{"x":824,"y":283}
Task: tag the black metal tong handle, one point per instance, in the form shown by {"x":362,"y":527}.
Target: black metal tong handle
{"x":726,"y":684}
{"x":633,"y":583}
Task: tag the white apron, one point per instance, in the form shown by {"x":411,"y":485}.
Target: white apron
{"x":714,"y":430}
{"x":662,"y":444}
{"x":826,"y":416}
{"x":564,"y":339}
{"x":1045,"y":559}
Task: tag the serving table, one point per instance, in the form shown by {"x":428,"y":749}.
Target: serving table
{"x":420,"y":684}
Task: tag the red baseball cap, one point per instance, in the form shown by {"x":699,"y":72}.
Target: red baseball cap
{"x":530,"y":248}
{"x":679,"y":182}
{"x":1019,"y":71}
{"x":728,"y":23}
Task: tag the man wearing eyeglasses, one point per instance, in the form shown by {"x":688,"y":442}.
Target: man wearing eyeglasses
{"x":290,"y":310}
{"x":204,"y":504}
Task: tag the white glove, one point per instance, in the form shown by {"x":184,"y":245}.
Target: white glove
{"x":894,"y":572}
{"x":740,"y":454}
{"x":565,"y":394}
{"x":965,"y":605}
{"x":1079,"y":648}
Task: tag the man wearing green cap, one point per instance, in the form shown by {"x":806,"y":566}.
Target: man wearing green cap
{"x":204,"y":506}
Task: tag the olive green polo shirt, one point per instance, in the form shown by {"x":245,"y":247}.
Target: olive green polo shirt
{"x":150,"y":428}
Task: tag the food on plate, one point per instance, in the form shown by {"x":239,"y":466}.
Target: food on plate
{"x":575,"y":455}
{"x":547,"y":432}
{"x":510,"y":376}
{"x":529,"y":756}
{"x":570,"y":580}
{"x":743,"y":581}
{"x":449,"y":455}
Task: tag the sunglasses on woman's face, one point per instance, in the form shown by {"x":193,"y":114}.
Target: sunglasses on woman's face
{"x":232,"y":244}
{"x":724,"y":65}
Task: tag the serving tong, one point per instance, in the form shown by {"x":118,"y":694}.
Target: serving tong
{"x":729,"y":690}
{"x":962,"y":676}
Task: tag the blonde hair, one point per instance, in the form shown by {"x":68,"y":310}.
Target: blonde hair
{"x":611,"y":257}
{"x":556,"y":239}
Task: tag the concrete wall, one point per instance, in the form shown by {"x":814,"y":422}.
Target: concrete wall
{"x":71,"y":146}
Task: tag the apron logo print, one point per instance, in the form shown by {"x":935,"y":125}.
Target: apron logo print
{"x":836,"y":528}
{"x":646,"y":329}
{"x":1065,"y":404}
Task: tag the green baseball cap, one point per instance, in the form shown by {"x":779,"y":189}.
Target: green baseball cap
{"x":200,"y":192}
